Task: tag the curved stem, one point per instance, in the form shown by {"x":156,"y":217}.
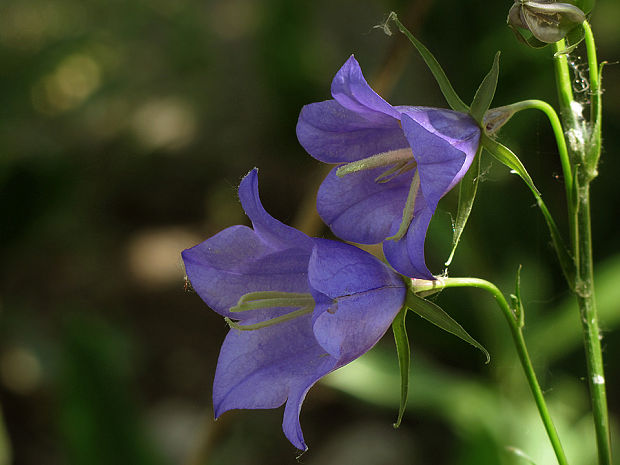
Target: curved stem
{"x":556,"y":126}
{"x":567,"y":170}
{"x":517,"y":336}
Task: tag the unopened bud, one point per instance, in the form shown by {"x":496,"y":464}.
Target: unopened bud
{"x":547,"y":20}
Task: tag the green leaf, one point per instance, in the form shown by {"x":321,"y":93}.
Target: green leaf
{"x":433,"y":313}
{"x":508,"y":158}
{"x":447,"y":90}
{"x":467,"y":195}
{"x":404,"y":356}
{"x":486,"y":92}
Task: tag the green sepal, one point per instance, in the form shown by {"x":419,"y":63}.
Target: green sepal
{"x":467,"y":194}
{"x":433,"y":313}
{"x":404,"y":356}
{"x":447,"y":90}
{"x":505,"y":156}
{"x":509,"y":159}
{"x":486,"y":92}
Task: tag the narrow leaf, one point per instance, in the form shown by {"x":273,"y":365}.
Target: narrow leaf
{"x":467,"y":195}
{"x":486,"y":92}
{"x":508,"y":158}
{"x":520,"y":454}
{"x":519,"y":311}
{"x":447,"y":90}
{"x":433,"y":313}
{"x":404,"y":356}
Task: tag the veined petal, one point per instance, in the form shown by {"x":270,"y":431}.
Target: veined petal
{"x":351,"y":90}
{"x":236,"y":261}
{"x":262,"y":369}
{"x":270,"y":230}
{"x":407,"y":254}
{"x":357,"y":298}
{"x":453,"y":126}
{"x":444,"y":144}
{"x":332,"y":133}
{"x":337,"y":269}
{"x":358,"y":209}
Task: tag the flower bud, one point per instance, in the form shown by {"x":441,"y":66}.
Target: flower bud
{"x":547,"y":20}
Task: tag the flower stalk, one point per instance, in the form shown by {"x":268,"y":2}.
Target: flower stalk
{"x":514,"y":323}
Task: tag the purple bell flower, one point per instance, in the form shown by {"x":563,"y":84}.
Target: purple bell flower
{"x":395,"y":163}
{"x":304,"y":307}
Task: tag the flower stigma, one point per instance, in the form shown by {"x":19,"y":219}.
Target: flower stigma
{"x":408,"y":210}
{"x":271,"y":299}
{"x":392,"y":157}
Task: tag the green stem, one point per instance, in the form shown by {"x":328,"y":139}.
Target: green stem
{"x":556,"y":126}
{"x":584,"y":156}
{"x":517,"y":336}
{"x":591,"y":333}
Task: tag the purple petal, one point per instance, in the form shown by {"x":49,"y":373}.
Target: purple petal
{"x":333,"y":134}
{"x":407,"y":255}
{"x":351,"y":90}
{"x":357,"y":298}
{"x":270,"y":230}
{"x":358,"y":209}
{"x":236,"y":261}
{"x":337,"y":269}
{"x":263,"y":368}
{"x":444,"y":144}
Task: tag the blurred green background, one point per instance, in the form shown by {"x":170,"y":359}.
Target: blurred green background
{"x":125,"y":127}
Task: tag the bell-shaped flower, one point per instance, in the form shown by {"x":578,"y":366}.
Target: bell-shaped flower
{"x":302,"y":307}
{"x":395,"y":163}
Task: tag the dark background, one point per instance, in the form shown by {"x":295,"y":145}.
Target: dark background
{"x":125,"y":127}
